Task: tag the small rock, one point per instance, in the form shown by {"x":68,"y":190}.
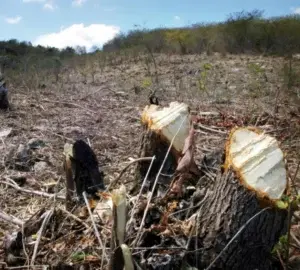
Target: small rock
{"x":40,"y":166}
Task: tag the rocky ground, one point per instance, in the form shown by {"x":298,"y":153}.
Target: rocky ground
{"x":224,"y":91}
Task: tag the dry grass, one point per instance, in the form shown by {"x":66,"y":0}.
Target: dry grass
{"x":107,"y":113}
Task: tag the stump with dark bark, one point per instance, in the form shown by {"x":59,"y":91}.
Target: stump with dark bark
{"x":223,"y":214}
{"x":153,"y":145}
{"x":239,"y":223}
{"x":157,"y":135}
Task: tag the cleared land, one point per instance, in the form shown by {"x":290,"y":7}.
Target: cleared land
{"x":235,"y":90}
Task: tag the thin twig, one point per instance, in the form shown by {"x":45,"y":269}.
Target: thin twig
{"x":288,"y":234}
{"x":113,"y":182}
{"x":140,"y":193}
{"x":236,"y":235}
{"x":40,"y":233}
{"x":293,"y":179}
{"x":74,"y":217}
{"x":31,"y":191}
{"x":24,"y":244}
{"x":94,"y":225}
{"x":210,"y":129}
{"x":295,"y":239}
{"x":280,"y":259}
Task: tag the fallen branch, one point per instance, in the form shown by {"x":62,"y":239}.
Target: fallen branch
{"x":210,"y":129}
{"x":14,"y":185}
{"x":74,"y":217}
{"x":140,"y":193}
{"x":11,"y":219}
{"x":95,"y":227}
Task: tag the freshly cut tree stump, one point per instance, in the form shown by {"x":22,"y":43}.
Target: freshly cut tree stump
{"x":238,"y":223}
{"x":254,"y":179}
{"x":160,"y":126}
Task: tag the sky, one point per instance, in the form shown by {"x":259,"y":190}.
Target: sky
{"x":61,"y":23}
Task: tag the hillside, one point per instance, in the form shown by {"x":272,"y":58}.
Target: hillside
{"x":242,"y":32}
{"x":228,"y":78}
{"x":245,"y":90}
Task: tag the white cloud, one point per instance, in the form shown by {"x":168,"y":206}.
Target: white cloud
{"x":78,"y":2}
{"x":49,"y":6}
{"x":296,"y":10}
{"x":79,"y":35}
{"x":177,"y":18}
{"x":13,"y":20}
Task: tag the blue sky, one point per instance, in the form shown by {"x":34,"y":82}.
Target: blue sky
{"x":92,"y":22}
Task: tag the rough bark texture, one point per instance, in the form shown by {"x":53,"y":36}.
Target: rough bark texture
{"x":152,"y":144}
{"x":229,"y":207}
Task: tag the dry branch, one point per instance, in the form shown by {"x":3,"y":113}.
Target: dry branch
{"x":30,"y":191}
{"x":11,"y":219}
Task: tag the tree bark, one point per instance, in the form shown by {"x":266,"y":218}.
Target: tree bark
{"x":153,"y":145}
{"x":229,"y":207}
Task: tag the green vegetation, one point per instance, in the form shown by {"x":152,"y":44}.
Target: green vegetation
{"x":13,"y":53}
{"x":242,"y":32}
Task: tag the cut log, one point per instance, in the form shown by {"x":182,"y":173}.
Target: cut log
{"x":254,"y":179}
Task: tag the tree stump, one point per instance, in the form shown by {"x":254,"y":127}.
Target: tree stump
{"x":160,"y":126}
{"x":229,"y":207}
{"x":254,"y":179}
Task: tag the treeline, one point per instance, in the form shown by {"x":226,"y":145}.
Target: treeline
{"x":242,"y":32}
{"x":15,"y":55}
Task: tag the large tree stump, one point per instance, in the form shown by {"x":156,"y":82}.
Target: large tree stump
{"x":229,"y":207}
{"x":254,"y":179}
